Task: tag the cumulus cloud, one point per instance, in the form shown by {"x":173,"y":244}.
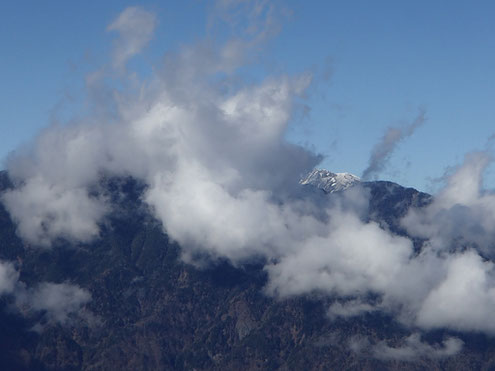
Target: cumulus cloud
{"x":135,"y":27}
{"x":195,"y":146}
{"x":224,"y":182}
{"x":352,"y":258}
{"x":386,"y":146}
{"x":465,"y":299}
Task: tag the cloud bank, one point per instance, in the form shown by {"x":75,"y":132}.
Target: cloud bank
{"x":224,"y":182}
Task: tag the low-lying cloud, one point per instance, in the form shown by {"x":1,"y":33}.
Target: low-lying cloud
{"x":462,"y":213}
{"x":60,"y":303}
{"x":413,"y":348}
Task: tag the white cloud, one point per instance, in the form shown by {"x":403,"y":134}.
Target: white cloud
{"x":351,"y":308}
{"x":46,"y":211}
{"x":59,"y":301}
{"x":465,"y":299}
{"x":353,"y":258}
{"x":462,"y":214}
{"x":413,"y":349}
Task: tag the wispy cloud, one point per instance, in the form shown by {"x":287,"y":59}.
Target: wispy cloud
{"x":382,"y":151}
{"x":135,"y":27}
{"x":413,"y":348}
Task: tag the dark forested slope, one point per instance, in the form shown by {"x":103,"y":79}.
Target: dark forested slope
{"x":150,"y":310}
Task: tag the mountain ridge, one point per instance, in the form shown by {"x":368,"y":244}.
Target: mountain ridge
{"x":151,"y":310}
{"x":328,"y":181}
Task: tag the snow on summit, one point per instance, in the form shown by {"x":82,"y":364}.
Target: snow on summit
{"x":330,"y":182}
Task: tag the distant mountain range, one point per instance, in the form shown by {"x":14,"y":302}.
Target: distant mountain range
{"x":151,"y":311}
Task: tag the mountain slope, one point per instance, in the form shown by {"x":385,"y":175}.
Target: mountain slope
{"x":150,"y":310}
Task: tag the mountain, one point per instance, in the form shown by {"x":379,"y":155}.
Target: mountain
{"x":388,"y":201}
{"x":328,"y":181}
{"x":151,"y":311}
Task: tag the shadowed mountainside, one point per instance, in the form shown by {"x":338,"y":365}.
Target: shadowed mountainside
{"x":150,"y":310}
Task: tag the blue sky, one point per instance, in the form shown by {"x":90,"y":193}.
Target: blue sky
{"x":387,"y":59}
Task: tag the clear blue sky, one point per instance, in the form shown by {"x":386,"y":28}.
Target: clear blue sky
{"x":387,"y":59}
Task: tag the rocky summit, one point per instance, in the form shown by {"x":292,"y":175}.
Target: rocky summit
{"x":330,"y":182}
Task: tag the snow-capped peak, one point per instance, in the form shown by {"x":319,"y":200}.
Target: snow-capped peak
{"x":328,"y":181}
